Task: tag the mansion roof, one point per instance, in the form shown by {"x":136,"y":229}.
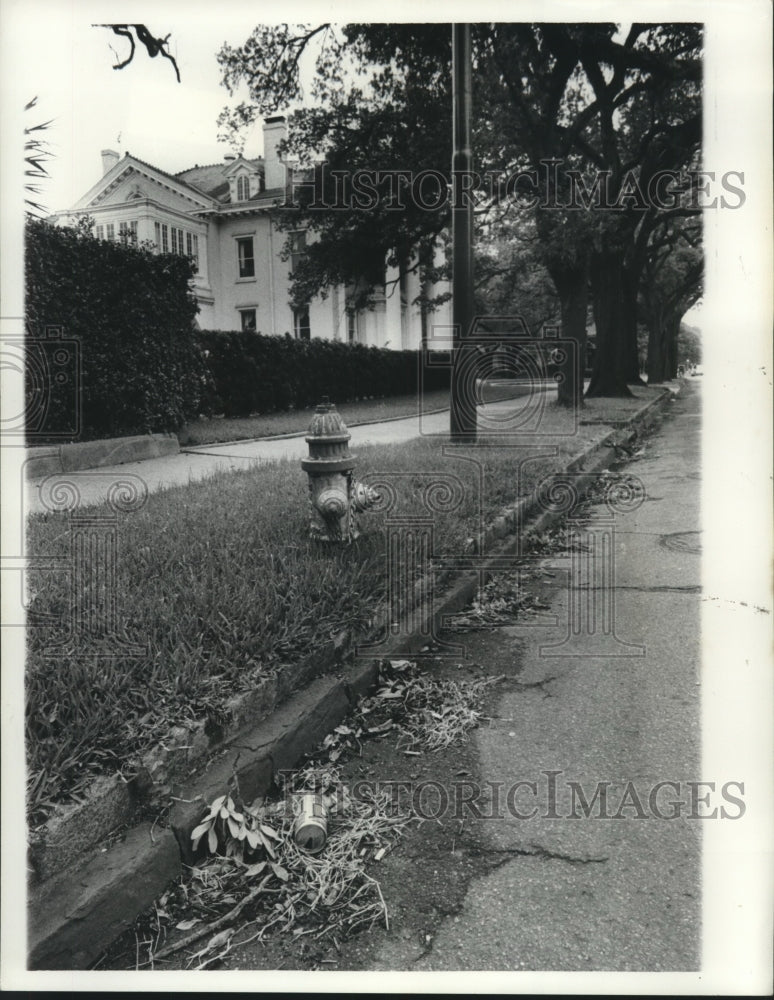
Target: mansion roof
{"x":211,"y":179}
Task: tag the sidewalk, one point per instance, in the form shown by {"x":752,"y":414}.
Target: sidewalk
{"x":202,"y":462}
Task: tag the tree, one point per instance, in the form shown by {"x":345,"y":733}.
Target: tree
{"x":672,"y":284}
{"x":569,"y":105}
{"x":511,"y":275}
{"x":610,"y":111}
{"x":399,"y":117}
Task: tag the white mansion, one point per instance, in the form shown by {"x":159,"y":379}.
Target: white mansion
{"x":221,"y":215}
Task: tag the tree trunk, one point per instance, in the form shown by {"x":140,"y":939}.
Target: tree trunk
{"x":629,"y":300}
{"x":572,"y":288}
{"x":670,"y":352}
{"x":608,"y":377}
{"x":425,"y":290}
{"x":662,"y":347}
{"x":655,"y":366}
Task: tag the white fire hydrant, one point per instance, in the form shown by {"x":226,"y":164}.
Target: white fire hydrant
{"x":334,"y":494}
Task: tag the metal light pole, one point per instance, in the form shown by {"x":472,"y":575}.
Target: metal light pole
{"x":462,"y":401}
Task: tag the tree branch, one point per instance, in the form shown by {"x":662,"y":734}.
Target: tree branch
{"x":153,"y":45}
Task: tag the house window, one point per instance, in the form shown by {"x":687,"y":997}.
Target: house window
{"x":248,"y":318}
{"x":243,"y":188}
{"x":127,"y":232}
{"x":192,"y":248}
{"x":174,"y":240}
{"x":100,"y":232}
{"x":301,"y":326}
{"x":297,"y":248}
{"x":164,"y":238}
{"x":379,"y":292}
{"x":110,"y":231}
{"x":245,"y":257}
{"x":157,"y":234}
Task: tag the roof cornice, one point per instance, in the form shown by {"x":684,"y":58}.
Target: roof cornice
{"x":131,"y":165}
{"x":243,"y":208}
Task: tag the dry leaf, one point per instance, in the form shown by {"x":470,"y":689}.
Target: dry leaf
{"x":220,"y":939}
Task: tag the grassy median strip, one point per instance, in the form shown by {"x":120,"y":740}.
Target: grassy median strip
{"x":215,"y":430}
{"x":222,"y":581}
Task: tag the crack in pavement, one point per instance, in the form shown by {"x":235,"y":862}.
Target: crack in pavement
{"x":536,"y":851}
{"x":526,"y":685}
{"x":515,"y":685}
{"x":507,"y":855}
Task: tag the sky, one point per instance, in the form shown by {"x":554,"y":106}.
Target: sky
{"x":141,"y":109}
{"x":58,"y":56}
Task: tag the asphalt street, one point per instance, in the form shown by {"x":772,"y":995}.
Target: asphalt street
{"x":593,"y":893}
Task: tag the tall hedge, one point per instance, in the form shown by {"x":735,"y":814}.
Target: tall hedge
{"x":138,"y":365}
{"x":130,"y":314}
{"x":253,"y":373}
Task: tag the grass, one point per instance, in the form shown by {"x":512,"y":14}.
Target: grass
{"x":223,"y":583}
{"x":219,"y":429}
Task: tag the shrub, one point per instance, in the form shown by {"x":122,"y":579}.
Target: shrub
{"x":130,"y":313}
{"x":253,"y":373}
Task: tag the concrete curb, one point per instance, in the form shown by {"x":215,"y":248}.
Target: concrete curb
{"x":459,"y":594}
{"x":113,"y":802}
{"x":71,"y":918}
{"x":50,"y":459}
{"x":77,"y":914}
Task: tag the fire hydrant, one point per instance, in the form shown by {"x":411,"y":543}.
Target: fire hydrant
{"x":335,"y":495}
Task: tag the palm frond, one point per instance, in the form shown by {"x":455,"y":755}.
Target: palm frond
{"x":36,"y":152}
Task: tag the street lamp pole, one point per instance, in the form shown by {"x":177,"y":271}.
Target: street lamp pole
{"x":462,"y":401}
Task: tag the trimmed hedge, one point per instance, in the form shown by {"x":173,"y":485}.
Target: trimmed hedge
{"x":134,"y":364}
{"x":126,"y":316}
{"x":253,"y":373}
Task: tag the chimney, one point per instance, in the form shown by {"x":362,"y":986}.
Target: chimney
{"x":274,"y":131}
{"x":109,"y":159}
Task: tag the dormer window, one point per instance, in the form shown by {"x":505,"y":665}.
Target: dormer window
{"x":244,"y":180}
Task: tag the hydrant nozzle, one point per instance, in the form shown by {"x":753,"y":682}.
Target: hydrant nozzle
{"x":335,"y":496}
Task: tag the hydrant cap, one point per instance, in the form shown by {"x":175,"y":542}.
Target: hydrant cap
{"x":327,"y":425}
